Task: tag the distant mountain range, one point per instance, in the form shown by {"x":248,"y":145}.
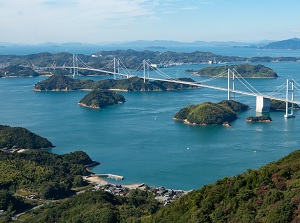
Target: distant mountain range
{"x":170,"y":43}
{"x":293,"y":43}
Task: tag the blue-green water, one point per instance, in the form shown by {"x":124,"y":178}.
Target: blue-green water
{"x":139,"y":139}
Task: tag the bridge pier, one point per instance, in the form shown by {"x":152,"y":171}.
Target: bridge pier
{"x":262,"y":104}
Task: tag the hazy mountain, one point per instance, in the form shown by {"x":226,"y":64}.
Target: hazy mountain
{"x":170,"y":43}
{"x":292,"y":44}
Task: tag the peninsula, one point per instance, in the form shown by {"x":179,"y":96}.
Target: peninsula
{"x":18,"y":71}
{"x":280,"y":105}
{"x":101,"y":99}
{"x":14,"y":138}
{"x":245,"y":70}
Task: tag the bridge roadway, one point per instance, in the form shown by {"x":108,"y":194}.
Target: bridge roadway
{"x":221,"y":89}
{"x":179,"y":82}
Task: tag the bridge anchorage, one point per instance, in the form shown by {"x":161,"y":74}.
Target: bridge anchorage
{"x":263,"y":101}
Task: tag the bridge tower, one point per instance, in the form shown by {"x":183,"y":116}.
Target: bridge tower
{"x":230,"y":90}
{"x":75,"y":65}
{"x":144,"y":68}
{"x":116,"y":67}
{"x":289,"y":110}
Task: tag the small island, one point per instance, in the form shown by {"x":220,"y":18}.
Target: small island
{"x":101,"y":98}
{"x":15,"y":138}
{"x":259,"y":119}
{"x":64,"y":83}
{"x":210,"y":113}
{"x":245,"y":70}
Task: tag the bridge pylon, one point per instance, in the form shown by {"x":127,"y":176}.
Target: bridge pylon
{"x":229,"y":97}
{"x":75,"y":65}
{"x":144,"y":69}
{"x":116,"y":67}
{"x":289,"y":107}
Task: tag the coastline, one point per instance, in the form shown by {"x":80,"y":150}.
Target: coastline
{"x":101,"y":182}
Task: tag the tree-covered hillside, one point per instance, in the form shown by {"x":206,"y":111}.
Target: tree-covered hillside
{"x":62,"y":83}
{"x":99,"y":206}
{"x":267,"y":195}
{"x":18,"y":137}
{"x":18,"y":71}
{"x":39,"y":173}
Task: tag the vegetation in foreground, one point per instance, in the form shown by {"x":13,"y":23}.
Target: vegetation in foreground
{"x":267,"y":195}
{"x":210,"y":113}
{"x":99,"y":206}
{"x":270,"y":194}
{"x":40,"y":175}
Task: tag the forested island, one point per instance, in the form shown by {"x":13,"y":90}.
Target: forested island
{"x":101,"y":99}
{"x":65,"y":83}
{"x":210,"y":113}
{"x":245,"y":70}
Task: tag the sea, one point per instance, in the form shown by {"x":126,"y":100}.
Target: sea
{"x":139,"y":139}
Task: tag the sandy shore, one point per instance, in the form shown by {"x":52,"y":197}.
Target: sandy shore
{"x":100,"y":181}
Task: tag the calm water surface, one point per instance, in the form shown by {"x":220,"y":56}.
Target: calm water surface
{"x":139,"y":139}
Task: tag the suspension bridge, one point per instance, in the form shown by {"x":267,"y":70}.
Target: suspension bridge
{"x":117,"y":68}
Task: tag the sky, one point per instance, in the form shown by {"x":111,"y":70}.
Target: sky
{"x":108,"y":21}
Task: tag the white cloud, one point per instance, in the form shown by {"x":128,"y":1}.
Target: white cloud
{"x":39,"y":19}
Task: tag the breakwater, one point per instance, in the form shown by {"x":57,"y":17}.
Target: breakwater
{"x":110,"y":176}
